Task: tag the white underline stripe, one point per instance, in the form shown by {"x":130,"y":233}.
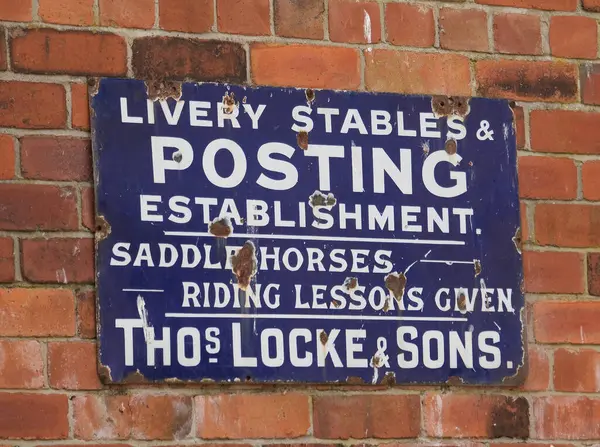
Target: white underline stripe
{"x":440,"y":261}
{"x":318,"y":238}
{"x":143,"y":290}
{"x":312,"y":317}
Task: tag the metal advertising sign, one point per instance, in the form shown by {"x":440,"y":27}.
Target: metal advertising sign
{"x":292,"y":235}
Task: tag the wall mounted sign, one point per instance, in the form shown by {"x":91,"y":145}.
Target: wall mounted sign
{"x":292,"y":235}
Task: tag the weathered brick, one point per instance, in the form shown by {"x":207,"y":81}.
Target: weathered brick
{"x":250,"y":17}
{"x":7,"y":157}
{"x":553,"y":272}
{"x":591,"y":5}
{"x":572,"y":36}
{"x":549,"y":5}
{"x":524,"y":223}
{"x":526,"y":80}
{"x":593,"y":273}
{"x":161,"y":417}
{"x":519,"y":115}
{"x":547,"y":178}
{"x":72,"y":366}
{"x":56,"y":260}
{"x":101,"y":417}
{"x":16,"y":10}
{"x":33,"y":207}
{"x":33,"y":416}
{"x":188,"y":16}
{"x":280,"y":416}
{"x":177,"y":58}
{"x":37,"y":312}
{"x":56,"y":158}
{"x":32,"y":105}
{"x":67,"y":12}
{"x":517,"y":33}
{"x":366,"y":416}
{"x":463,"y":29}
{"x":305,"y":66}
{"x":302,"y":19}
{"x":567,"y":225}
{"x":565,"y":131}
{"x":538,"y":371}
{"x":48,"y":51}
{"x":590,"y":83}
{"x":411,"y":25}
{"x":574,"y":322}
{"x":476,"y":416}
{"x":80,"y":111}
{"x":7,"y":260}
{"x":566,"y":417}
{"x":3,"y":58}
{"x":426,"y":73}
{"x":86,"y":314}
{"x":87,"y":208}
{"x":127,"y":13}
{"x":354,"y":21}
{"x":576,"y":370}
{"x":23,"y":366}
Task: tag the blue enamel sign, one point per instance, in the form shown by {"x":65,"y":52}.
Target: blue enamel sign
{"x":293,"y":235}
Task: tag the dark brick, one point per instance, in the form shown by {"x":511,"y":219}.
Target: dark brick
{"x":3,"y":62}
{"x":593,"y":266}
{"x":177,"y":58}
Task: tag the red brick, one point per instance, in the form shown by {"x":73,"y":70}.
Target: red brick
{"x":16,"y":10}
{"x":366,"y":416}
{"x":7,"y":260}
{"x":72,"y":366}
{"x":574,"y":322}
{"x":127,"y":13}
{"x":527,"y":80}
{"x":87,"y":208}
{"x":411,"y":25}
{"x":280,"y":416}
{"x":67,"y":12}
{"x":48,"y":51}
{"x":463,"y":29}
{"x":7,"y":157}
{"x":101,"y":417}
{"x":56,"y":158}
{"x":62,"y":261}
{"x":524,"y":223}
{"x":593,"y":271}
{"x":566,"y":417}
{"x":553,"y":272}
{"x":249,"y":17}
{"x":38,"y":207}
{"x":572,"y":36}
{"x":305,"y":66}
{"x":188,"y":16}
{"x":350,"y":21}
{"x":86,"y":314}
{"x":33,"y":416}
{"x":566,"y":225}
{"x":565,"y":131}
{"x":177,"y":58}
{"x":427,"y":73}
{"x":37,"y":312}
{"x":80,"y":110}
{"x":538,"y":371}
{"x":32,"y":105}
{"x":590,"y":83}
{"x":591,"y":5}
{"x":547,"y":178}
{"x":577,"y":371}
{"x":517,"y":33}
{"x":303,"y":19}
{"x":476,"y":416}
{"x":519,"y":115}
{"x":549,"y":5}
{"x":161,"y":417}
{"x":3,"y":58}
{"x":23,"y":366}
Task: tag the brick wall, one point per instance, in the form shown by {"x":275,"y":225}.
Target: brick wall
{"x":540,"y":53}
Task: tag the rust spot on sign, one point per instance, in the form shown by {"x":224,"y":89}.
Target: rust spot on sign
{"x":323,"y":337}
{"x":353,"y":380}
{"x":310,"y":95}
{"x":243,"y":265}
{"x":102,"y":228}
{"x":104,"y":373}
{"x":510,"y":418}
{"x":302,"y":140}
{"x":229,"y":103}
{"x":450,"y":147}
{"x":318,"y":199}
{"x":161,"y":89}
{"x":351,"y":283}
{"x":93,"y":86}
{"x":462,"y":302}
{"x":220,"y":227}
{"x":389,"y":379}
{"x":517,"y":240}
{"x":395,"y":283}
{"x":477,"y":264}
{"x":450,"y":105}
{"x":134,"y":377}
